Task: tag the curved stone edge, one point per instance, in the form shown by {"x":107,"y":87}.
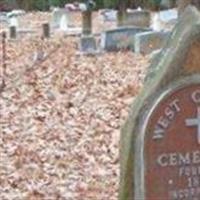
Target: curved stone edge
{"x":171,"y":65}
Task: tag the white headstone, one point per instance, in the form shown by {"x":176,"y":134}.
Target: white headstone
{"x":64,"y":23}
{"x":14,"y":22}
{"x":156,"y":23}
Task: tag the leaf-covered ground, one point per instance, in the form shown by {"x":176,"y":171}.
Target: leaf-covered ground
{"x":60,"y":118}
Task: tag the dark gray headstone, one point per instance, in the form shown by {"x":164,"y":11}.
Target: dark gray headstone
{"x":46,"y":30}
{"x":148,"y":42}
{"x":88,"y":44}
{"x":160,"y":142}
{"x":120,"y":38}
{"x":13,"y":32}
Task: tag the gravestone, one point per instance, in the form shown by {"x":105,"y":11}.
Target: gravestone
{"x":160,"y":142}
{"x":120,"y":38}
{"x":14,"y":21}
{"x":46,"y":30}
{"x":64,"y":24}
{"x":13,"y":32}
{"x":59,"y":14}
{"x":88,"y":44}
{"x":139,"y":18}
{"x":146,"y":43}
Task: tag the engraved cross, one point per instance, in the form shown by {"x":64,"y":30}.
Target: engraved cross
{"x":195,"y":122}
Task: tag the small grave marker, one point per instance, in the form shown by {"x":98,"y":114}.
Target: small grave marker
{"x":160,"y":142}
{"x":60,"y":19}
{"x":13,"y":32}
{"x":88,"y":44}
{"x":3,"y":72}
{"x":46,"y":30}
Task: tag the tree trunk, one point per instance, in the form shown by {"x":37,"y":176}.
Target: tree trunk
{"x":121,"y":15}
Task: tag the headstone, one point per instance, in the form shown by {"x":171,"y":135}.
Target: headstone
{"x":46,"y":30}
{"x":63,"y":23}
{"x":88,"y":44}
{"x":13,"y":32}
{"x":120,"y":38}
{"x":160,"y":142}
{"x":146,"y":43}
{"x":156,"y":23}
{"x":4,"y":64}
{"x":14,"y":21}
{"x":139,"y":18}
{"x":60,"y":18}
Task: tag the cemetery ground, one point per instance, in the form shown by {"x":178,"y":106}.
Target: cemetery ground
{"x":61,"y":114}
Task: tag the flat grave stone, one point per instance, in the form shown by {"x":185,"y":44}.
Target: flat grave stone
{"x":160,"y":142}
{"x":120,"y":38}
{"x":146,"y":43}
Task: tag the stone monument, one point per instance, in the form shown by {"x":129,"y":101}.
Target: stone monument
{"x":160,"y":142}
{"x":88,"y":41}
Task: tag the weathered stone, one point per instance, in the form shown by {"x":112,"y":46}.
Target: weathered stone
{"x":160,"y":141}
{"x":148,"y":42}
{"x":88,"y":44}
{"x":58,"y":15}
{"x":120,"y":38}
{"x":46,"y":30}
{"x":139,"y":18}
{"x":13,"y":32}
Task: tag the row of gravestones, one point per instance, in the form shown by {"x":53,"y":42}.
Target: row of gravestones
{"x":160,"y":142}
{"x":60,"y":20}
{"x":137,"y":33}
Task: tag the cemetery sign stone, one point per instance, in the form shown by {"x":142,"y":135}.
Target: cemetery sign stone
{"x":160,"y":142}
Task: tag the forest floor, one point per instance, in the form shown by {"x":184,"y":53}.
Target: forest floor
{"x":60,"y":117}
